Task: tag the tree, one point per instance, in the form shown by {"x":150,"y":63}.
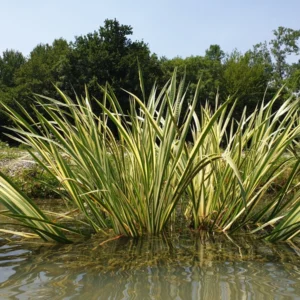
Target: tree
{"x":246,"y":79}
{"x":44,"y":68}
{"x":208,"y":69}
{"x":214,"y":53}
{"x":260,"y":55}
{"x":20,"y":78}
{"x":10,"y":63}
{"x":293,"y":78}
{"x":284,"y":43}
{"x":108,"y":55}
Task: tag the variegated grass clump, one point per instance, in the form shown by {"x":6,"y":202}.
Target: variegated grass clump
{"x":259,"y":148}
{"x":132,"y":178}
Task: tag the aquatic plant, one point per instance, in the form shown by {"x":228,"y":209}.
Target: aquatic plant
{"x":25,"y":211}
{"x":130,"y":171}
{"x":229,"y":195}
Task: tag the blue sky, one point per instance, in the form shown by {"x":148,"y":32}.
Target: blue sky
{"x":171,"y":28}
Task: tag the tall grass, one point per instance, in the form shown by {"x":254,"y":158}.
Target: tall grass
{"x":133,"y":177}
{"x":231,"y":193}
{"x":24,"y":210}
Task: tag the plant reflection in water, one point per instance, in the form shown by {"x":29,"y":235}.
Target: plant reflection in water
{"x":178,"y":267}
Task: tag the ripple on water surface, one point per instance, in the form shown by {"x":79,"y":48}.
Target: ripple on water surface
{"x":180,"y":267}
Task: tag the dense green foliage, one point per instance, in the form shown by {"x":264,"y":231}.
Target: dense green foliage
{"x":109,"y":55}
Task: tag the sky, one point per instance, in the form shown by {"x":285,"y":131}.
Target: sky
{"x":170,"y":28}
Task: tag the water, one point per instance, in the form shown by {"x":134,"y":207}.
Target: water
{"x":183,"y":266}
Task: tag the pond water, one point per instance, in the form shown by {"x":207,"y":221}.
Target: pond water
{"x":183,"y":266}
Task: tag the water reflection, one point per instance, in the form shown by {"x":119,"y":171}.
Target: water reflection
{"x":181,"y":267}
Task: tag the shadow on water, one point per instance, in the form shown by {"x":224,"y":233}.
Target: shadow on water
{"x":177,"y":267}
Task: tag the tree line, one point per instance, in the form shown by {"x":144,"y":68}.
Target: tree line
{"x":109,"y":55}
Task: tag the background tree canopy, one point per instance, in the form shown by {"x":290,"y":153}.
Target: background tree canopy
{"x":109,"y":55}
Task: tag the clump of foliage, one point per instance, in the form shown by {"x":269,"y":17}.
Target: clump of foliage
{"x":134,"y":184}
